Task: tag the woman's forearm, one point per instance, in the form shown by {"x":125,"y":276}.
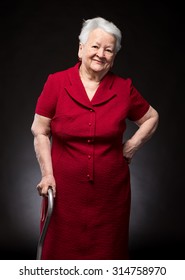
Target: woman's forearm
{"x":42,"y":147}
{"x":144,"y":132}
{"x":147,"y":126}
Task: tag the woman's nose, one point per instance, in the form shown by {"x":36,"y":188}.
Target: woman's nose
{"x":101,"y":52}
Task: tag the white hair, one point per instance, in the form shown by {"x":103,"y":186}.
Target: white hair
{"x":99,"y":22}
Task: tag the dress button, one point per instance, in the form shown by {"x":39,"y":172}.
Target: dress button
{"x":89,"y":156}
{"x":88,"y":141}
{"x":90,"y":123}
{"x":88,"y":176}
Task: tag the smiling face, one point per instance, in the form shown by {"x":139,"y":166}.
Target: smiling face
{"x":98,"y":53}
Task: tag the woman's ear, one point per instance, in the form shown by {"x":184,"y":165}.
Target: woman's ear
{"x":80,"y":51}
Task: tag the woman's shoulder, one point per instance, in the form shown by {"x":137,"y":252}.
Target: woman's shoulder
{"x":58,"y":74}
{"x":121,"y":80}
{"x":62,"y":74}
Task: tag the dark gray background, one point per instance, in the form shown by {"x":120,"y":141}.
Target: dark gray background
{"x":41,"y":37}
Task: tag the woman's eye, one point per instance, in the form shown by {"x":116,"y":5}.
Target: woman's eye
{"x":110,"y":51}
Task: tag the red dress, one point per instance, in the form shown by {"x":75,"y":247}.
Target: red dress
{"x":92,"y":206}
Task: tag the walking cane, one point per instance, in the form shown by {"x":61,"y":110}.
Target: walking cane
{"x":46,"y":224}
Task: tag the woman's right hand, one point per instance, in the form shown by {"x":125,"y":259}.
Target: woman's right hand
{"x":46,"y":182}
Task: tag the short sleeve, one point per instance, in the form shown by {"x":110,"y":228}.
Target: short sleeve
{"x":138,"y":104}
{"x":47,"y":100}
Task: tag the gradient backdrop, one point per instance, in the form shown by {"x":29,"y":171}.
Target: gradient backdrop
{"x":41,"y":37}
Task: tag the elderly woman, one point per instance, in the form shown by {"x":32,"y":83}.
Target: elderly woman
{"x":78,"y":131}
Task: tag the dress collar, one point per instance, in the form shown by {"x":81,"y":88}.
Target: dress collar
{"x":77,"y":91}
